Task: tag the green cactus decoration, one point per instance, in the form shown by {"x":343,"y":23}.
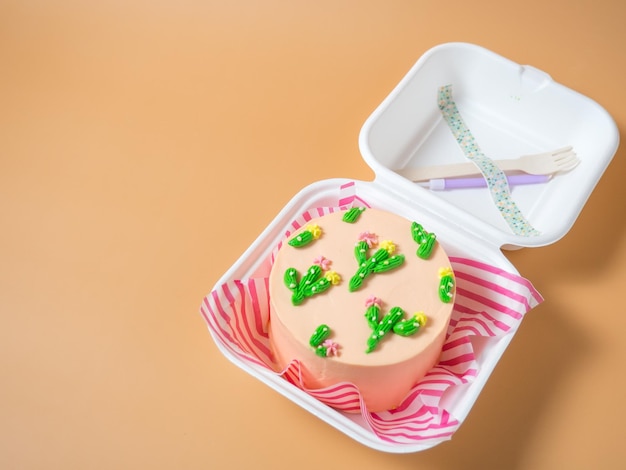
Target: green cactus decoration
{"x":371,"y":315}
{"x":411,"y":326}
{"x":446,"y":285}
{"x":320,"y":342}
{"x":352,"y":215}
{"x":310,"y":233}
{"x":382,"y":261}
{"x":319,"y":335}
{"x":384,"y":326}
{"x":312,"y":283}
{"x":425,"y":240}
{"x":391,"y":322}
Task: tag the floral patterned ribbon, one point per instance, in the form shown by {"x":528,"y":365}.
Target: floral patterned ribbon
{"x":496,"y":179}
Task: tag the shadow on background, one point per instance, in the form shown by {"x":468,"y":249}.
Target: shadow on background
{"x":500,"y":426}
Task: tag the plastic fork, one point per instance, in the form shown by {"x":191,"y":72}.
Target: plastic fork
{"x":546,"y":163}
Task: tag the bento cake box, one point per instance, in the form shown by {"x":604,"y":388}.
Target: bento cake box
{"x":512,"y":110}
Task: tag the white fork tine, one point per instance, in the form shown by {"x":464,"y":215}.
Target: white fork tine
{"x":565,"y":153}
{"x":565,"y":158}
{"x":566,"y":164}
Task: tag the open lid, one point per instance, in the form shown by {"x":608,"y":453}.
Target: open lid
{"x":511,"y":110}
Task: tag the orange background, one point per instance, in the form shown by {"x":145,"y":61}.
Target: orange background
{"x":144,"y":145}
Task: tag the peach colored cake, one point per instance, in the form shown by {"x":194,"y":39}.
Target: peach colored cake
{"x":361,"y":296}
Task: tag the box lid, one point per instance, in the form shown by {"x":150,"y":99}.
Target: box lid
{"x":511,"y":110}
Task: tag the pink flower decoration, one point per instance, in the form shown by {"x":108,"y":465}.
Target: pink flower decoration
{"x":370,"y":238}
{"x":332,"y":348}
{"x":372,"y":300}
{"x":322,"y":262}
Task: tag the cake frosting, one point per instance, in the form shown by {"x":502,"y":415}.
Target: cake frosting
{"x":361,"y":296}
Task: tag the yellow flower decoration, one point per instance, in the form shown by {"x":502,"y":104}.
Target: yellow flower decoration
{"x":315,"y":230}
{"x":389,"y":246}
{"x":333,"y":277}
{"x":420,"y":318}
{"x":447,"y":271}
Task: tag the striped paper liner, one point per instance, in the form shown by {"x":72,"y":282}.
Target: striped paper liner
{"x":489,"y":303}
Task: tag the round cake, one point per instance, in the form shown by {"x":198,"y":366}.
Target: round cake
{"x":361,"y":296}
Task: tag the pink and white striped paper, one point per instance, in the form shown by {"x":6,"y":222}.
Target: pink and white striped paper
{"x":489,"y":304}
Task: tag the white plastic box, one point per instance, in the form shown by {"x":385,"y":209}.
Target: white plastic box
{"x":511,"y":110}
